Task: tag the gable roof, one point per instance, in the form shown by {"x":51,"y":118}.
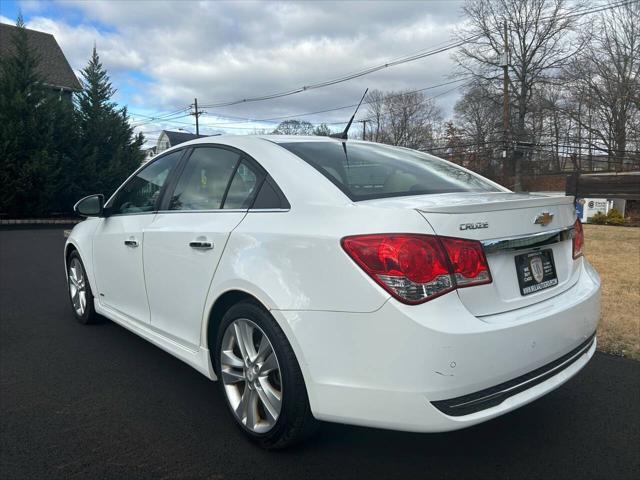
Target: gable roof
{"x":176,"y":138}
{"x":53,"y":66}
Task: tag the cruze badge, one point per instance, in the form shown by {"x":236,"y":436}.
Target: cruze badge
{"x":474,"y":226}
{"x":544,"y":219}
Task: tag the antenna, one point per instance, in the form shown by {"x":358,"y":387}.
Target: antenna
{"x":344,"y":134}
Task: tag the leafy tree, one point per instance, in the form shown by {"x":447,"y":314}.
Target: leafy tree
{"x":35,"y":131}
{"x":109,"y":150}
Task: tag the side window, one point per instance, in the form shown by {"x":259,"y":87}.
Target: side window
{"x":270,"y":196}
{"x":243,"y":187}
{"x":204,"y":180}
{"x":140,"y":194}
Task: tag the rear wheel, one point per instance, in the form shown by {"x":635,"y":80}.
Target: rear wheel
{"x":79,"y":289}
{"x":261,"y":379}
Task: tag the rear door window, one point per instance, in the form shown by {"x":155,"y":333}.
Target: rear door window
{"x":366,"y":171}
{"x":204,"y":180}
{"x":243,"y":186}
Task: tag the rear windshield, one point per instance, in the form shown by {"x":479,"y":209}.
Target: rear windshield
{"x":365,"y":171}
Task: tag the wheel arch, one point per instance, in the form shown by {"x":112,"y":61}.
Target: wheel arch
{"x":223,"y":303}
{"x":73,"y":245}
{"x":226,"y":300}
{"x":68,"y":249}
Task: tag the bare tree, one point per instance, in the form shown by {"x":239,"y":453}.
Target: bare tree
{"x":538,"y":46}
{"x":478,"y":115}
{"x":294,"y":127}
{"x":375,"y":101}
{"x":322,"y":130}
{"x":606,"y":75}
{"x":408,"y":119}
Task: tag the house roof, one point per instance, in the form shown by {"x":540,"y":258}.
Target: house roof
{"x":53,"y":66}
{"x":176,"y":138}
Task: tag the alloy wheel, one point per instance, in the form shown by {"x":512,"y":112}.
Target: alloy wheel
{"x":77,"y":287}
{"x":251,"y":375}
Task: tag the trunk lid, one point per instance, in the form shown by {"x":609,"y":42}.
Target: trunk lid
{"x":506,"y":224}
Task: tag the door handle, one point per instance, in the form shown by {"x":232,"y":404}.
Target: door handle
{"x":131,"y":242}
{"x":201,"y":245}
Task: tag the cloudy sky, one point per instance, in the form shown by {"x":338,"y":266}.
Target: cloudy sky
{"x":161,"y":55}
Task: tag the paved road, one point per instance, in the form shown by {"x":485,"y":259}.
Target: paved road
{"x":98,"y":402}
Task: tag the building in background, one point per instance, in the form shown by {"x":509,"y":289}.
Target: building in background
{"x":53,"y":67}
{"x":168,"y":139}
{"x":149,"y":153}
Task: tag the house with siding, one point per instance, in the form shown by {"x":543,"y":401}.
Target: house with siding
{"x":168,"y":139}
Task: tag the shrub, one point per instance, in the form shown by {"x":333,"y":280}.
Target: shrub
{"x":614,"y":217}
{"x":598,"y":219}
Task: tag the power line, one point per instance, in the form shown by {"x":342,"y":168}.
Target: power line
{"x":399,"y":61}
{"x":327,"y":83}
{"x":333,"y":109}
{"x":234,"y":125}
{"x":171,"y":116}
{"x":178,"y":113}
{"x":159,"y":115}
{"x":163,"y":119}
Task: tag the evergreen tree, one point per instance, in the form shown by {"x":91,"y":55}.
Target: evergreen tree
{"x":29,"y":159}
{"x":109,"y":151}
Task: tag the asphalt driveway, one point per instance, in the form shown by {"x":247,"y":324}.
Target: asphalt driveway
{"x":99,"y":402}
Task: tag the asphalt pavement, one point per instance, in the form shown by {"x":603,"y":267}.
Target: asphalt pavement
{"x":93,"y":402}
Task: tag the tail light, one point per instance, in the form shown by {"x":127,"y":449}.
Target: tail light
{"x":468,"y":262}
{"x":578,"y":239}
{"x":418,"y":268}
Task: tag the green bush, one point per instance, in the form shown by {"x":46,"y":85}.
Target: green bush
{"x":614,"y":217}
{"x":598,"y":219}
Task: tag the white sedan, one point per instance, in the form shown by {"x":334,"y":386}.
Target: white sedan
{"x":338,"y":280}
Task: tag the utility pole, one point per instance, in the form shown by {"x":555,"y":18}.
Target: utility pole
{"x":364,"y":128}
{"x":196,"y":113}
{"x":505,"y":112}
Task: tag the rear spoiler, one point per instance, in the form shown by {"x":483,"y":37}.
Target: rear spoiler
{"x":496,"y":202}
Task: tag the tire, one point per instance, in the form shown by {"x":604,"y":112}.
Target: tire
{"x":253,"y":385}
{"x":77,"y":282}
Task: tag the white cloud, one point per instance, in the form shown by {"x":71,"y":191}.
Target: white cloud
{"x":220,"y":51}
{"x":77,"y":43}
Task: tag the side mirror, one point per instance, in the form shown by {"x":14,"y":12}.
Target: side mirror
{"x":91,"y":206}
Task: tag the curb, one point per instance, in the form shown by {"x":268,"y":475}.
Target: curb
{"x":41,"y":221}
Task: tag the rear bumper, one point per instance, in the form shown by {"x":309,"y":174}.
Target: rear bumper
{"x":401,"y":366}
{"x":493,"y":396}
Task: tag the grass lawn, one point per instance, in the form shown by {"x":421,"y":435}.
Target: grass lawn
{"x":615,"y":253}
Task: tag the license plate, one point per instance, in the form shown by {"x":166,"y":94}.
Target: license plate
{"x":536,"y":271}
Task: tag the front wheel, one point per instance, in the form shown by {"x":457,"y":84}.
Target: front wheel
{"x":261,"y":379}
{"x":80,"y":291}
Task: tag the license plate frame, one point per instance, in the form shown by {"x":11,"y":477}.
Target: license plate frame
{"x":536,"y":271}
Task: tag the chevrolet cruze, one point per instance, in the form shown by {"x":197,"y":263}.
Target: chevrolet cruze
{"x":325,"y":279}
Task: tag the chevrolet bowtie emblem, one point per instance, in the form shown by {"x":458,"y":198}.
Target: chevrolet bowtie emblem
{"x":544,"y":219}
